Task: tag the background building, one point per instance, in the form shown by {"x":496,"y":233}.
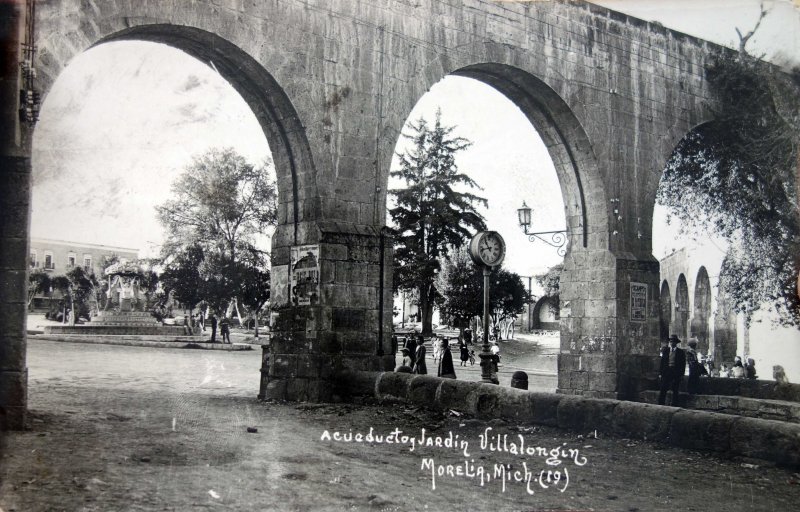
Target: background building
{"x":57,"y":257}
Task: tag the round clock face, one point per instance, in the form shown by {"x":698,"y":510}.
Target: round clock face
{"x":488,"y":248}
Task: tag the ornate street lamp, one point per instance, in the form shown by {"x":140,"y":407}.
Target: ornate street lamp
{"x":557,"y":239}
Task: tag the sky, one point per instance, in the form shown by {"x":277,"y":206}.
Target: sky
{"x":124,"y":118}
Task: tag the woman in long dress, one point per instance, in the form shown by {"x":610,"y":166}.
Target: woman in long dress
{"x":462,"y":345}
{"x":419,"y":366}
{"x":446,"y":369}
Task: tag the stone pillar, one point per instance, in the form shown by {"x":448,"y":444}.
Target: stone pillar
{"x":14,"y":220}
{"x":609,"y":324}
{"x":335,"y":317}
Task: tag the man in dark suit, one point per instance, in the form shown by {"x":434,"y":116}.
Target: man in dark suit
{"x":673,"y":366}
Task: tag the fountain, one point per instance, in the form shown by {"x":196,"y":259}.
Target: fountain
{"x":125,"y":312}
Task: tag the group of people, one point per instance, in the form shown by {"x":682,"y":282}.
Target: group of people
{"x":414,"y":353}
{"x":674,"y":363}
{"x":414,"y":357}
{"x":224,"y":326}
{"x":740,"y":369}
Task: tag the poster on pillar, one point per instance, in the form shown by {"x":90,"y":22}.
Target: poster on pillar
{"x":280,"y":285}
{"x":305,"y":275}
{"x":638,"y":302}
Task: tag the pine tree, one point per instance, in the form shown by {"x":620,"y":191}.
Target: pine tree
{"x":430,"y":217}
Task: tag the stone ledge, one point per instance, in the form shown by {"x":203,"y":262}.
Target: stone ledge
{"x":769,"y":440}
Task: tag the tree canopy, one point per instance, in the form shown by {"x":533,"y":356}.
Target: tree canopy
{"x":222,"y":205}
{"x":736,"y":176}
{"x":430,"y":215}
{"x":460,"y":286}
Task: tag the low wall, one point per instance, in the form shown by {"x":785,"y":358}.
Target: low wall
{"x":769,"y":440}
{"x":749,"y":388}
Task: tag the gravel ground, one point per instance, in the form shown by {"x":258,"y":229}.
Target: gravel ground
{"x":128,"y":428}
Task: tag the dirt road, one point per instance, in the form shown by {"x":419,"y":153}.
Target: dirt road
{"x":124,"y":428}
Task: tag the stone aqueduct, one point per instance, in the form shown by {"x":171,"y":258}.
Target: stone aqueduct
{"x":332,"y":82}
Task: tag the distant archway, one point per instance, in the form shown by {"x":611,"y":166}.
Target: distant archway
{"x":702,"y":310}
{"x":680,"y":324}
{"x":666,"y":312}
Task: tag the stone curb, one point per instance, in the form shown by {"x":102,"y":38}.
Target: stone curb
{"x":153,"y":344}
{"x":770,"y":440}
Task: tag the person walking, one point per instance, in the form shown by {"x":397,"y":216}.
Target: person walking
{"x":225,"y":330}
{"x":446,"y":369}
{"x":673,"y":366}
{"x":411,"y":345}
{"x":462,"y":345}
{"x":420,"y":367}
{"x":213,"y":319}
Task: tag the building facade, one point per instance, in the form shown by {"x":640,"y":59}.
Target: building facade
{"x":57,"y":257}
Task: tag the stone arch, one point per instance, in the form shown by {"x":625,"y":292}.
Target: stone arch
{"x":561,"y":131}
{"x":680,"y":324}
{"x":665,"y":316}
{"x":266,"y":98}
{"x":546,"y":314}
{"x":700,"y":327}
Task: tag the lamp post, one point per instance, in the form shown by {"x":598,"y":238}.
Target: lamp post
{"x":557,"y":239}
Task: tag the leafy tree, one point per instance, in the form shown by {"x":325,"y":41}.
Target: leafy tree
{"x":254,"y":286}
{"x":460,"y":288}
{"x":222,"y":205}
{"x":736,"y":175}
{"x":507,"y":299}
{"x":181,"y":276}
{"x":550,"y":281}
{"x":430,"y":216}
{"x":38,"y":282}
{"x":460,"y":285}
{"x":79,"y":289}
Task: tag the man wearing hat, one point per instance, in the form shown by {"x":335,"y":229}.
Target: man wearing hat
{"x":673,"y":366}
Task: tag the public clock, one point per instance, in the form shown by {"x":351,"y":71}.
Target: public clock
{"x":487,"y":248}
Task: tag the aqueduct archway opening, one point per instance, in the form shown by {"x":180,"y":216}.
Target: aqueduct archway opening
{"x":332,"y":87}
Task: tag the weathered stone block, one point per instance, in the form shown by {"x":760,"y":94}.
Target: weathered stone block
{"x":394,"y":384}
{"x":701,"y":430}
{"x":422,"y":390}
{"x":13,"y":388}
{"x":775,"y":441}
{"x":545,"y":408}
{"x":642,"y":421}
{"x":453,"y":394}
{"x":585,"y":414}
{"x":12,"y":353}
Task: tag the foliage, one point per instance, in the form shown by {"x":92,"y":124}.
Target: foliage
{"x":79,"y":289}
{"x":736,"y":176}
{"x":38,"y":282}
{"x":181,"y":276}
{"x":430,"y":216}
{"x":460,"y":285}
{"x":507,"y":297}
{"x":550,"y":280}
{"x":221,"y":205}
{"x":460,"y":288}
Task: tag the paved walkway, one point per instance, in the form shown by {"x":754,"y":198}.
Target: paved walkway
{"x":123,"y":428}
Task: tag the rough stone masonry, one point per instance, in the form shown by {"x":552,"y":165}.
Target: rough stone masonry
{"x":332,"y":82}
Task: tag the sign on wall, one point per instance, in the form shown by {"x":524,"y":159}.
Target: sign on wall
{"x":638,"y":302}
{"x":279,"y":280}
{"x":305,"y":275}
